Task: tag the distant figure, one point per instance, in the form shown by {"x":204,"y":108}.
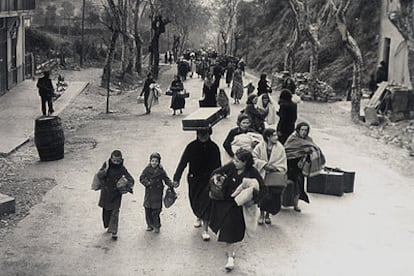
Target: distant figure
{"x":177,"y":101}
{"x":263,"y":86}
{"x":166,"y":57}
{"x":223,"y":102}
{"x":146,"y":91}
{"x":237,"y":87}
{"x":250,"y":88}
{"x":46,"y":92}
{"x":289,"y":84}
{"x":217,"y":72}
{"x":242,"y":65}
{"x":372,"y":85}
{"x":287,"y":116}
{"x":382,"y":72}
{"x":209,"y":92}
{"x":229,"y":73}
{"x":170,"y":58}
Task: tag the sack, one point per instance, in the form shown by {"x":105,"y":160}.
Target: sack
{"x":215,"y":186}
{"x":123,"y":185}
{"x":170,"y":197}
{"x":169,"y":92}
{"x":140,"y":99}
{"x":244,"y":197}
{"x":276,"y":179}
{"x":96,"y":183}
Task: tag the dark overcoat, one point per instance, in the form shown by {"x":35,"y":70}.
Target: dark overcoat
{"x":45,"y":87}
{"x":110,"y":198}
{"x":287,"y":118}
{"x":203,"y":158}
{"x":154,"y":180}
{"x":226,"y":217}
{"x":177,"y":102}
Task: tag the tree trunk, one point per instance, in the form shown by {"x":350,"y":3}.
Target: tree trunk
{"x":137,"y":38}
{"x":353,"y":49}
{"x":109,"y":58}
{"x":291,"y":49}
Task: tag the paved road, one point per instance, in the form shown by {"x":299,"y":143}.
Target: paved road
{"x":369,"y":232}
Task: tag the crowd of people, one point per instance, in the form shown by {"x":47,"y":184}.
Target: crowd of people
{"x":229,"y":199}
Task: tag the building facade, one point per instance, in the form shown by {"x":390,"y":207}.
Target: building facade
{"x":394,"y":42}
{"x":14,"y":15}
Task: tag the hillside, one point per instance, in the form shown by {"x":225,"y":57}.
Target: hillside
{"x":267,"y":32}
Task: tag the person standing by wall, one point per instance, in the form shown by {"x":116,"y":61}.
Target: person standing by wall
{"x":203,"y":156}
{"x":46,"y":92}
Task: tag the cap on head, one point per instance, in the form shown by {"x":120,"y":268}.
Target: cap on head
{"x":116,"y":153}
{"x":155,"y":155}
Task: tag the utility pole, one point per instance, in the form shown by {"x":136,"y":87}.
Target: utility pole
{"x":83,"y":32}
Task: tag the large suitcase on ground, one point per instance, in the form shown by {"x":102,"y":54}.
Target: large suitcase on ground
{"x":288,"y":194}
{"x":203,"y":118}
{"x":349,"y":179}
{"x":327,"y":182}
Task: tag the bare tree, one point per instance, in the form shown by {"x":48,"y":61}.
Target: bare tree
{"x":138,"y":11}
{"x":339,"y":11}
{"x":227,"y":21}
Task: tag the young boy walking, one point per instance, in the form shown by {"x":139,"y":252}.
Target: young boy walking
{"x":154,"y":177}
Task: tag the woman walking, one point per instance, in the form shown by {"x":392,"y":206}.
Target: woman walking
{"x":243,"y":126}
{"x":287,"y":115}
{"x":265,"y":102}
{"x":209,"y":92}
{"x":270,"y":161}
{"x":237,"y":87}
{"x":110,"y":198}
{"x":177,"y":101}
{"x":300,"y":147}
{"x":227,"y":218}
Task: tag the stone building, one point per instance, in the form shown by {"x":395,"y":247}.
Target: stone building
{"x":14,"y":17}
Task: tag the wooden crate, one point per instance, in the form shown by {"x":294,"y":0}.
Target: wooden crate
{"x":203,"y":118}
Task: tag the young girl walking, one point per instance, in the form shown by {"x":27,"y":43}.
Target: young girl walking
{"x":154,"y":177}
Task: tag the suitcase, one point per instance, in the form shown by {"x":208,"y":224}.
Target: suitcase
{"x":203,"y":118}
{"x":349,"y":179}
{"x":288,"y":194}
{"x":327,"y":182}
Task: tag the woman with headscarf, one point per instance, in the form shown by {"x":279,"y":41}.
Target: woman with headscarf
{"x":227,"y":218}
{"x":229,"y":73}
{"x":256,"y":115}
{"x":237,"y":87}
{"x":301,"y":149}
{"x":287,"y":115}
{"x":209,"y":92}
{"x":243,"y":127}
{"x":177,"y":101}
{"x":266,"y":103}
{"x":269,"y":159}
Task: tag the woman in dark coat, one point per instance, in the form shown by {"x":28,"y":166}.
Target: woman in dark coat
{"x":289,"y":84}
{"x":287,"y":115}
{"x":229,"y":73}
{"x":227,"y":219}
{"x":110,"y":198}
{"x":177,"y":102}
{"x":203,"y":156}
{"x":243,"y":126}
{"x":256,"y":115}
{"x":209,"y":92}
{"x":263,"y":86}
{"x":146,"y":91}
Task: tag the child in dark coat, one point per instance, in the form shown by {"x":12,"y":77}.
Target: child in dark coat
{"x":154,"y":177}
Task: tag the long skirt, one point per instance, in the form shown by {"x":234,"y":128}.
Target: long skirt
{"x":199,"y":199}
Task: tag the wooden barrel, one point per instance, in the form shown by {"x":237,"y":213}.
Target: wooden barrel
{"x":49,"y":138}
